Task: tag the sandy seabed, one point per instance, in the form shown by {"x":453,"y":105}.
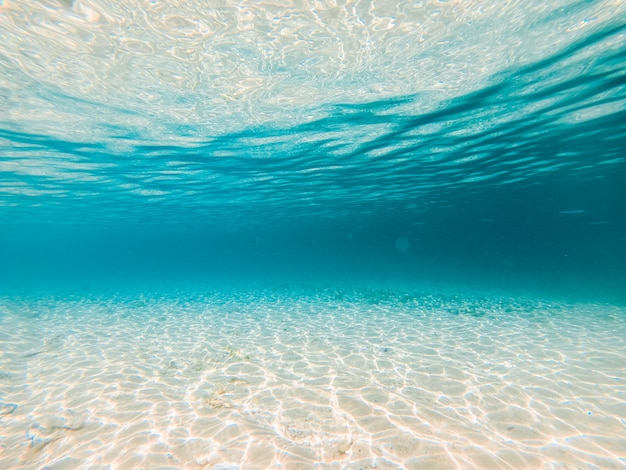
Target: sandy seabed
{"x":330,"y":378}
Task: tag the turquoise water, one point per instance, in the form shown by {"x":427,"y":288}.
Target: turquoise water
{"x":363,"y":178}
{"x":398,"y":158}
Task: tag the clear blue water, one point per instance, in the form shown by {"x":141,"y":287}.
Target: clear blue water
{"x":312,"y":235}
{"x":520,"y":180}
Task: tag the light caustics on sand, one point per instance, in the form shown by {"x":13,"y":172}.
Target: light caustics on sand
{"x":326,"y":379}
{"x":148,"y":115}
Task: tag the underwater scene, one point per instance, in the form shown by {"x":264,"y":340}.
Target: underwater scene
{"x":312,"y":234}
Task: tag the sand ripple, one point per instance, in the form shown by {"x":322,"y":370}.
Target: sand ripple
{"x":311,"y":379}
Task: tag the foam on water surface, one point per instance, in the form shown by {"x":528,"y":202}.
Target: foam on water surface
{"x":317,"y":378}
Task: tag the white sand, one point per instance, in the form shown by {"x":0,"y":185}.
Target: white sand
{"x":328,"y":379}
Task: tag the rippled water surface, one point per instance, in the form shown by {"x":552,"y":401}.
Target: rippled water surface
{"x":162,"y":112}
{"x":312,"y":234}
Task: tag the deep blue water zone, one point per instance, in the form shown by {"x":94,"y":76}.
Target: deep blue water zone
{"x":520,"y":183}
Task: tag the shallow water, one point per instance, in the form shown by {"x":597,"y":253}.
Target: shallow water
{"x":312,"y":235}
{"x":317,"y":378}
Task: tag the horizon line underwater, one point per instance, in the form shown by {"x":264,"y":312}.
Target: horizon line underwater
{"x":347,"y":234}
